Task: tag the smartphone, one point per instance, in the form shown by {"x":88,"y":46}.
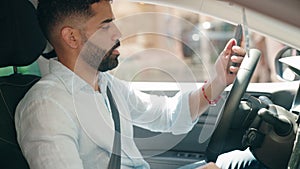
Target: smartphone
{"x":238,"y":36}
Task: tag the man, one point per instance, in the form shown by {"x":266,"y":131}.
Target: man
{"x":65,"y":121}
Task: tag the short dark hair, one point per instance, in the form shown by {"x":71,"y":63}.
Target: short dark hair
{"x":52,"y":12}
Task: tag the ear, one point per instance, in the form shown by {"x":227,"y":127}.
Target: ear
{"x":71,"y":36}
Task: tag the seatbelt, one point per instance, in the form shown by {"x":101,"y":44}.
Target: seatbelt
{"x":115,"y":159}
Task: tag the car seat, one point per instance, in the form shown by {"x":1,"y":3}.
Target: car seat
{"x":22,"y":42}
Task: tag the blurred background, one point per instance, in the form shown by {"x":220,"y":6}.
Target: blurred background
{"x":162,"y":44}
{"x":166,"y":44}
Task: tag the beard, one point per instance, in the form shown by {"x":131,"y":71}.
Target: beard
{"x":98,"y":58}
{"x":110,"y":60}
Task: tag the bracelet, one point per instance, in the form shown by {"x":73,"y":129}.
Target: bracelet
{"x":211,"y":102}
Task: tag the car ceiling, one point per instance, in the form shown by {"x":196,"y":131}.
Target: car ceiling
{"x":274,"y":18}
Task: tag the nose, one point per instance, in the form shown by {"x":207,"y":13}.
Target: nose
{"x":116,"y":33}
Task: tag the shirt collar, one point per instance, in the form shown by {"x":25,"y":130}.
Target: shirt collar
{"x":71,"y":81}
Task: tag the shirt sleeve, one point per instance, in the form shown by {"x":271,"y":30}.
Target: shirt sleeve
{"x":162,"y":113}
{"x":159,"y":113}
{"x":47,"y":136}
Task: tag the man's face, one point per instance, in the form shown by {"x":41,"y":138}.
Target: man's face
{"x":100,"y":38}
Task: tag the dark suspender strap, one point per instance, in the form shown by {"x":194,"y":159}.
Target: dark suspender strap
{"x":115,"y":159}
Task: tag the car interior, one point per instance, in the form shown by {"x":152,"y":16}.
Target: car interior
{"x":214,"y":133}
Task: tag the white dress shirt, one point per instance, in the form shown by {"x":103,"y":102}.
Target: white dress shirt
{"x":62,"y":123}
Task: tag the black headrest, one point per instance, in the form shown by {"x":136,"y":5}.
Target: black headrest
{"x":21,"y":40}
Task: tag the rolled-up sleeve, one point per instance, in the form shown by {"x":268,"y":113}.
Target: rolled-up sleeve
{"x":160,"y":113}
{"x":181,"y":118}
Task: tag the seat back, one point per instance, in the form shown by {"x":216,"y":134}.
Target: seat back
{"x":12,"y":89}
{"x":22,"y":42}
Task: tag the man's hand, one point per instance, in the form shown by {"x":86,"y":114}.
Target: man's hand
{"x":223,"y":69}
{"x":201,"y":99}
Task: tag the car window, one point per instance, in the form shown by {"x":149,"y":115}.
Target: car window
{"x":164,"y":44}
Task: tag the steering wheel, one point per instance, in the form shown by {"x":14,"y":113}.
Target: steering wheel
{"x":232,"y":102}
